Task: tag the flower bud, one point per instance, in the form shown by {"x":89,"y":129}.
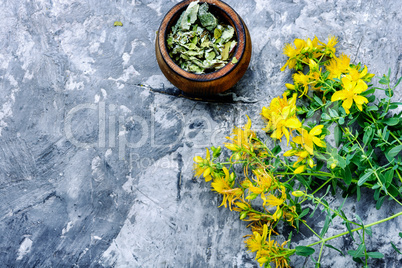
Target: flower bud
{"x":198,"y":159}
{"x":206,"y":172}
{"x":290,"y":86}
{"x":297,"y":193}
{"x":243,"y":214}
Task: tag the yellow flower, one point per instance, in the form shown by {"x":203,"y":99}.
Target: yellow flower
{"x":303,"y":81}
{"x":223,"y":185}
{"x":350,"y":93}
{"x":274,"y":201}
{"x":363,"y":75}
{"x":241,"y":138}
{"x":257,"y":241}
{"x":307,"y":139}
{"x":281,"y":116}
{"x":268,"y":250}
{"x":203,"y":166}
{"x":292,"y":52}
{"x":338,"y":66}
{"x":263,"y":182}
{"x":330,"y":46}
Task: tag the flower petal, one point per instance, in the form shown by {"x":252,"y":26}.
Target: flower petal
{"x":300,"y":169}
{"x":293,"y":123}
{"x":319,"y":142}
{"x":316,"y":130}
{"x":298,"y":140}
{"x":347,"y":103}
{"x":339,"y":95}
{"x":361,"y":86}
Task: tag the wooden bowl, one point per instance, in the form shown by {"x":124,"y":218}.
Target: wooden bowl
{"x":208,"y":83}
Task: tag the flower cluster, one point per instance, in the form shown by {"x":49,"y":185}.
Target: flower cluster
{"x":268,"y":188}
{"x":281,"y":117}
{"x":304,"y":148}
{"x":257,"y":182}
{"x":335,"y":76}
{"x":268,"y":251}
{"x":304,"y":50}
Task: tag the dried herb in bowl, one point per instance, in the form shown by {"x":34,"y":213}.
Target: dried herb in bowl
{"x":199,"y":43}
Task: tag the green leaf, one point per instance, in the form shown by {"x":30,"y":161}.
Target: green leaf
{"x":338,"y":135}
{"x":391,"y":121}
{"x":389,"y":175}
{"x":357,"y":253}
{"x":376,"y":255}
{"x":304,"y":213}
{"x":276,"y":150}
{"x":400,"y":235}
{"x":367,"y":138}
{"x":367,"y":92}
{"x":332,"y":247}
{"x":396,"y":249}
{"x":384,"y":80}
{"x":394,"y":152}
{"x":359,"y":219}
{"x":304,"y":251}
{"x":325,"y":116}
{"x":371,"y":98}
{"x":347,"y":176}
{"x":397,"y":83}
{"x":365,"y":177}
{"x":234,"y":60}
{"x":326,"y":224}
{"x":371,"y":108}
{"x":380,"y":202}
{"x":117,"y":23}
{"x":318,"y":100}
{"x":369,"y":231}
{"x":333,"y":113}
{"x":358,"y":194}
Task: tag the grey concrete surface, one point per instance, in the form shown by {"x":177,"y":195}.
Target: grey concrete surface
{"x":96,"y":158}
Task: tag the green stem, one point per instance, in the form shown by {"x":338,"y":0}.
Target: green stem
{"x":357,"y":229}
{"x":395,"y":137}
{"x":333,"y":211}
{"x":308,"y":226}
{"x":399,"y":175}
{"x":372,"y":167}
{"x":319,"y":256}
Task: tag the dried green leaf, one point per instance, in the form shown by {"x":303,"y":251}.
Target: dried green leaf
{"x":217,"y":33}
{"x":190,"y":15}
{"x":225,"y":51}
{"x":210,"y":55}
{"x":206,"y":18}
{"x":227,"y":34}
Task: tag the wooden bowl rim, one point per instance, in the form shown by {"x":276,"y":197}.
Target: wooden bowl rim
{"x":239,"y":52}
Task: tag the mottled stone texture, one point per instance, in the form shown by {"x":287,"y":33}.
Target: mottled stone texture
{"x":95,"y":160}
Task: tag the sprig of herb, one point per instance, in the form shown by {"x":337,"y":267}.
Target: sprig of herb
{"x":337,"y":100}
